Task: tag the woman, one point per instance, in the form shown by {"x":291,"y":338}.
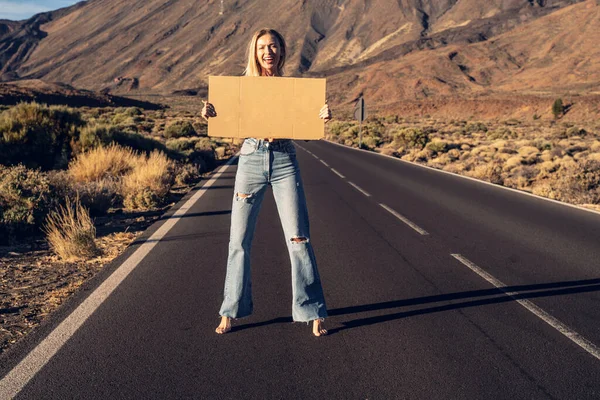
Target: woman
{"x":263,"y":162}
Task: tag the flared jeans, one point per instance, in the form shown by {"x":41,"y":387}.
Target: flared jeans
{"x":261,"y":164}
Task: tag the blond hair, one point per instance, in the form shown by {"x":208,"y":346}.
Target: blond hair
{"x":253,"y":68}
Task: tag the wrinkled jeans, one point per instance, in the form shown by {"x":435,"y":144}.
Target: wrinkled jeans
{"x":260,"y":164}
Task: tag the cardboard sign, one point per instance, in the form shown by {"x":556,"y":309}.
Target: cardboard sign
{"x":266,"y":107}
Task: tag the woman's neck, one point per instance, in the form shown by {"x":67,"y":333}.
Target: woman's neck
{"x":266,"y":72}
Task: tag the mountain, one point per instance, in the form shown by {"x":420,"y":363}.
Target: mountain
{"x":392,"y":50}
{"x":553,"y":54}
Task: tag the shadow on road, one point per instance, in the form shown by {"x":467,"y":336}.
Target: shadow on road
{"x":502,"y":295}
{"x":200,"y":214}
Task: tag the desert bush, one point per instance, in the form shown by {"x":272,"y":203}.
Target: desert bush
{"x":204,"y":143}
{"x":186,"y":174}
{"x":521,"y":177}
{"x":220,"y":152}
{"x":371,"y":142}
{"x":130,"y":111}
{"x":38,"y":136}
{"x":181,"y":144}
{"x":438,"y":146}
{"x":101,"y":163}
{"x":25,"y":198}
{"x":577,"y":183}
{"x":412,"y":137}
{"x":476,"y":127}
{"x":501,"y":133}
{"x":95,"y":135}
{"x":490,"y":172}
{"x":575,"y":131}
{"x":148,"y":184}
{"x":97,"y":196}
{"x":337,"y":128}
{"x":70,"y":232}
{"x":558,"y":108}
{"x":179,"y":129}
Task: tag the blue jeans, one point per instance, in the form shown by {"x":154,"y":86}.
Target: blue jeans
{"x":262,"y":163}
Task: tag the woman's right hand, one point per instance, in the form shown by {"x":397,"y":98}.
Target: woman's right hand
{"x":208,"y":111}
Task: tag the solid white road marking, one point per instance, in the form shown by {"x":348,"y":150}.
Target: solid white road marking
{"x":537,"y":311}
{"x":20,"y":375}
{"x":359,"y":189}
{"x":324,"y":163}
{"x":338,"y":174}
{"x":404,"y":219}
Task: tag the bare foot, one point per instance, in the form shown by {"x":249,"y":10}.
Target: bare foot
{"x":224,"y":326}
{"x":318,"y":328}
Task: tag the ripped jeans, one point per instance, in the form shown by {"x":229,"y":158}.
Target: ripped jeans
{"x":262,"y":163}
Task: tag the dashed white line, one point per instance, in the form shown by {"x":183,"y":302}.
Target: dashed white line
{"x":338,"y":174}
{"x":359,"y":189}
{"x":324,"y":163}
{"x":582,"y":342}
{"x":20,"y":375}
{"x":404,"y":219}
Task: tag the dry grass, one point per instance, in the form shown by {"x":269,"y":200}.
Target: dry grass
{"x":71,"y":232}
{"x":148,"y":183}
{"x":101,"y":163}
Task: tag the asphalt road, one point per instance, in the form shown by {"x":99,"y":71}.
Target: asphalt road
{"x":408,"y":258}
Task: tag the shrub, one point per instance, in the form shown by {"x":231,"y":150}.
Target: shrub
{"x":204,"y":144}
{"x":476,"y":127}
{"x":181,"y":145}
{"x":95,"y":135}
{"x":148,"y":184}
{"x":186,"y":174}
{"x":501,"y":133}
{"x":558,"y":108}
{"x":97,"y":196}
{"x":574,"y":131}
{"x":577,"y":183}
{"x":101,"y":163}
{"x":25,"y":199}
{"x":438,"y":146}
{"x":337,"y":128}
{"x":38,"y":136}
{"x":412,"y":137}
{"x":179,"y":129}
{"x":71,"y":232}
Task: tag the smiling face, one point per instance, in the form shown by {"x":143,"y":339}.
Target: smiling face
{"x":268,"y":54}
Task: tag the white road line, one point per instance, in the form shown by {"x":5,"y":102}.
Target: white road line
{"x":404,"y":219}
{"x":359,"y":189}
{"x":324,"y":163}
{"x":537,"y":311}
{"x":338,"y":174}
{"x":20,"y":375}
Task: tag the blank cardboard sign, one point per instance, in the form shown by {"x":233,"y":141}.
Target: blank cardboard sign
{"x":266,"y":107}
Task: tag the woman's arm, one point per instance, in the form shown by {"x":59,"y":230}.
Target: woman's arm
{"x":208,"y":111}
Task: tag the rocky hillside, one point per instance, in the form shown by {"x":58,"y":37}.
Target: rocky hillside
{"x":555,"y":54}
{"x":390,"y":50}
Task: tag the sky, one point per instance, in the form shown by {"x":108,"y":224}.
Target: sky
{"x":23,"y":9}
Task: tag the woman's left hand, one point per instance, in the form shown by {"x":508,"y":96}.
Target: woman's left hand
{"x":325,"y":113}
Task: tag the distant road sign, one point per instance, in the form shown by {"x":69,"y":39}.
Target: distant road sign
{"x":360,"y":112}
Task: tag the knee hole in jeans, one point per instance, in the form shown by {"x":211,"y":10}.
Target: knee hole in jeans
{"x":299,"y":240}
{"x":243,"y":197}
